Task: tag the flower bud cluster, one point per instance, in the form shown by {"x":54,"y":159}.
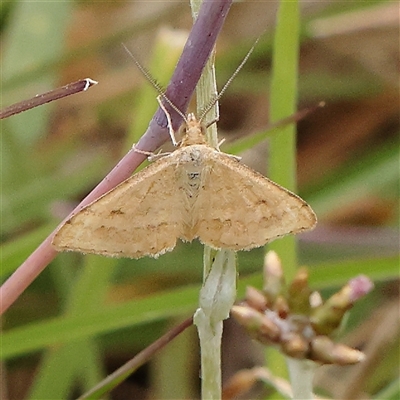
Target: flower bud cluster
{"x":295,"y":319}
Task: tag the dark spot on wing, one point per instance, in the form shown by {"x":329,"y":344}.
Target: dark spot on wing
{"x":117,"y":212}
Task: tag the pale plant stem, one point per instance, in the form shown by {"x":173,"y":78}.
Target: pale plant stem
{"x":218,"y":292}
{"x":217,"y":296}
{"x":301,"y":373}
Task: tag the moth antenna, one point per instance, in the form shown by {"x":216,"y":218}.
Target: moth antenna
{"x":157,"y":86}
{"x":220,"y":94}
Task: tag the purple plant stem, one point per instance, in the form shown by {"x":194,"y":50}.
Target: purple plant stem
{"x":195,"y":54}
{"x":72,"y":88}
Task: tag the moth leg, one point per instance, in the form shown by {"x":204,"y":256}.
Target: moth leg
{"x":150,"y":155}
{"x":214,"y":121}
{"x":237,"y":158}
{"x":155,"y":157}
{"x":171,"y":131}
{"x":146,"y":153}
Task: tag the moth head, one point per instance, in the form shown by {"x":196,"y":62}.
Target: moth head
{"x":192,"y":131}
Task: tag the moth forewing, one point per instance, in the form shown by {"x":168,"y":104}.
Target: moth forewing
{"x":132,"y":220}
{"x":246,"y":210}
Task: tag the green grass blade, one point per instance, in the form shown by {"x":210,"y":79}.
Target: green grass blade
{"x":168,"y":304}
{"x":283,"y":102}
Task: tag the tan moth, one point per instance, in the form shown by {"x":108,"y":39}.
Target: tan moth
{"x":196,"y":192}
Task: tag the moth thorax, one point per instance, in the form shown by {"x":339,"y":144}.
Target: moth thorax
{"x":192,"y":182}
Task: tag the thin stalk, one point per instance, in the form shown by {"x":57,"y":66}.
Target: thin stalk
{"x":72,"y":88}
{"x":301,"y":373}
{"x":217,"y":296}
{"x":218,"y":292}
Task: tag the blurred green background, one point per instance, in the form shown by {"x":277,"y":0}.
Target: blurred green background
{"x":86,"y":315}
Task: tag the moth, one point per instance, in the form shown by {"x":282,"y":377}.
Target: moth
{"x":196,"y":192}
